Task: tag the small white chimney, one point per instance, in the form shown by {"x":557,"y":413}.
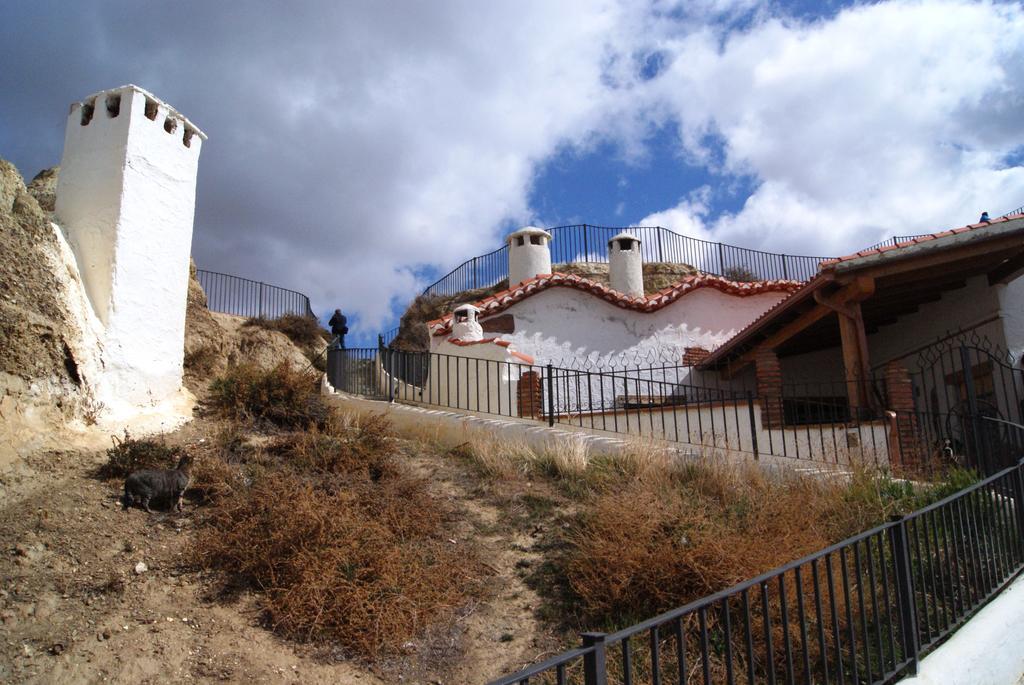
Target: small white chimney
{"x":625,"y":265}
{"x":529,"y":254}
{"x":465,"y":327}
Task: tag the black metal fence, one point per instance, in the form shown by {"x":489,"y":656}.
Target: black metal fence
{"x":586,"y":243}
{"x":679,"y":404}
{"x":244,"y":297}
{"x":862,"y":611}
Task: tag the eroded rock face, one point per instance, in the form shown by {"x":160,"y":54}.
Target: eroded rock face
{"x":44,"y":188}
{"x":41,"y":382}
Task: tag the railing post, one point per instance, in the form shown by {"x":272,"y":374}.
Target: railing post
{"x":905,"y":590}
{"x":259,"y":313}
{"x":785,"y":269}
{"x":753,"y":423}
{"x":595,"y":668}
{"x":721,"y":260}
{"x":1018,"y":497}
{"x":476,"y":279}
{"x":551,"y":396}
{"x":661,"y":257}
{"x":586,"y":246}
{"x":972,"y":408}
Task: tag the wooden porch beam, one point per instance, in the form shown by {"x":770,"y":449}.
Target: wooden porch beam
{"x":856,"y":291}
{"x":1008,"y":270}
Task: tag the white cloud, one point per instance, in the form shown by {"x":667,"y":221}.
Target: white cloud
{"x":354,"y":144}
{"x":891,"y":118}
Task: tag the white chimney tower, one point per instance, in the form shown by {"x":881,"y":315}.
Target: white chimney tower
{"x":126,"y":200}
{"x":529,"y":254}
{"x":465,"y":326}
{"x":625,"y":265}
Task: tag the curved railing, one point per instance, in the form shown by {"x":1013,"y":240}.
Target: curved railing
{"x":587,"y":243}
{"x":244,"y":297}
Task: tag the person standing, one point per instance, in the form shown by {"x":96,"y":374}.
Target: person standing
{"x":339,"y":327}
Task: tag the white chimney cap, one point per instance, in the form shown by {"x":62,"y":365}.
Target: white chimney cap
{"x":528,"y":230}
{"x":623,"y":236}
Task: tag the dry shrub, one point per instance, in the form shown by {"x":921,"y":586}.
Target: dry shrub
{"x":214,"y":479}
{"x":281,"y":397}
{"x":130,"y":454}
{"x":363,"y":565}
{"x":654,"y":545}
{"x":301,"y":330}
{"x":357,"y":445}
{"x":202,"y":360}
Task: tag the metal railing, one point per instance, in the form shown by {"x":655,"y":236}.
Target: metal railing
{"x":861,"y":611}
{"x":586,"y":243}
{"x":244,"y":297}
{"x":678,"y":404}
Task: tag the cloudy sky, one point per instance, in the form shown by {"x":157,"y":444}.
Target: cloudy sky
{"x":358,"y":150}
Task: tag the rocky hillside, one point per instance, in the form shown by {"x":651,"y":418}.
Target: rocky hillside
{"x":41,"y":381}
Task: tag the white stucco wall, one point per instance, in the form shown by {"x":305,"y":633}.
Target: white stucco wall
{"x":483,"y":377}
{"x":558,"y":325}
{"x":1011,"y":308}
{"x":126,"y":201}
{"x":964,"y":308}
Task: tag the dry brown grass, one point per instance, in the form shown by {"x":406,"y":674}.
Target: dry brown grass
{"x":282,"y":397}
{"x":363,"y":566}
{"x":301,"y":330}
{"x":340,"y":542}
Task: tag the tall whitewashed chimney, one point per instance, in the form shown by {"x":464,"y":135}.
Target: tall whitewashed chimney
{"x":126,"y":200}
{"x":625,"y":265}
{"x":529,"y":254}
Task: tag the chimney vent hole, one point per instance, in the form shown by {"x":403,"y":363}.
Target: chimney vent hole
{"x":535,"y":240}
{"x":87,"y":110}
{"x":113,"y":105}
{"x":187,"y":138}
{"x":151,"y":108}
{"x":170,"y":125}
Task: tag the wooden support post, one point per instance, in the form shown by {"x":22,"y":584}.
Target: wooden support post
{"x":856,"y":361}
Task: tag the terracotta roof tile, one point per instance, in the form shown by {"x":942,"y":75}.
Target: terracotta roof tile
{"x":493,"y":341}
{"x":917,"y":241}
{"x":504,"y":299}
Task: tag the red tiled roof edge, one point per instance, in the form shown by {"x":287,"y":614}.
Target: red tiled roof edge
{"x":493,"y":341}
{"x":825,"y":274}
{"x":828,"y":263}
{"x":503,"y":300}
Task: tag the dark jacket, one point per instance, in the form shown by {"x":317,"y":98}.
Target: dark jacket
{"x":339,"y":324}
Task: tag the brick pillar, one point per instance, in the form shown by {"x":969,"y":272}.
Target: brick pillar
{"x":905,"y":447}
{"x":769,"y":387}
{"x":531,"y":402}
{"x":694,"y":355}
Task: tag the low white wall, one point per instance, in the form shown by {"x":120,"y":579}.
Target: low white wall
{"x":987,"y":650}
{"x":725,"y":427}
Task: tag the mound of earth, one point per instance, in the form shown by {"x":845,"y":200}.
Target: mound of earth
{"x":215,"y":341}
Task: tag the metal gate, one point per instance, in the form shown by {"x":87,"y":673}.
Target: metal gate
{"x":968,"y":396}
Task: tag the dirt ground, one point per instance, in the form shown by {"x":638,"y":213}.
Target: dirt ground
{"x":75,"y":606}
